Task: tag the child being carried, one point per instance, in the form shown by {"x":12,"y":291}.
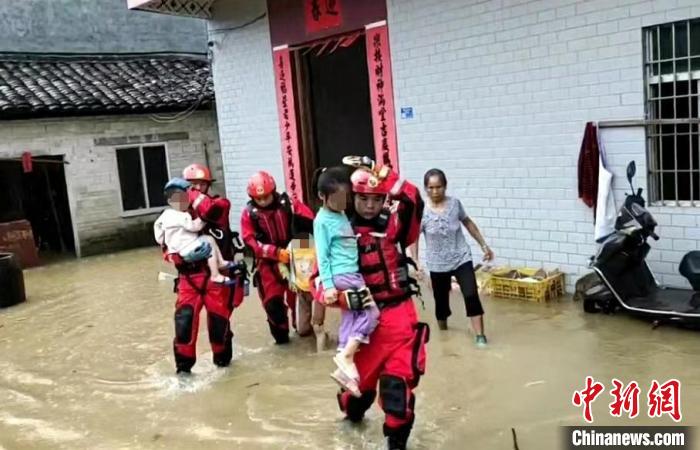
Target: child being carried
{"x":179,"y":232}
{"x":337,"y":256}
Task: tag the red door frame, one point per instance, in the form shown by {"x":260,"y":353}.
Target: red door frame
{"x":379,"y":74}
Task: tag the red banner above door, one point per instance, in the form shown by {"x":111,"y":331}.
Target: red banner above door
{"x":294,"y":22}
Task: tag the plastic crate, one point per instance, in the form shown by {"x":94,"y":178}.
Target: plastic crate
{"x":545,"y":290}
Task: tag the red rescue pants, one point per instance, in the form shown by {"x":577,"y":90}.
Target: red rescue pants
{"x":276,"y":299}
{"x":194,"y":292}
{"x":395,"y":358}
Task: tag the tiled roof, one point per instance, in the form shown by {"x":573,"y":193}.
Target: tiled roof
{"x":40,"y":85}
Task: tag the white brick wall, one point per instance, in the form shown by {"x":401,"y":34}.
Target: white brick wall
{"x":245,"y":98}
{"x":92,"y":178}
{"x":501,"y":92}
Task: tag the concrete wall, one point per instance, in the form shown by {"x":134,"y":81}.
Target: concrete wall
{"x":94,"y":26}
{"x":92,"y":179}
{"x":245,"y":98}
{"x":501,"y":92}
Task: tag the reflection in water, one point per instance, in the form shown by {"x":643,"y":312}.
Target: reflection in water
{"x":87,"y":363}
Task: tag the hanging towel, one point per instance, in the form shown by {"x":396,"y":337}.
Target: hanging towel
{"x":588,"y":166}
{"x":606,"y":211}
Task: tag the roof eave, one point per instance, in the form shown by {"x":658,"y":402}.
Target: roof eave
{"x":200,"y":9}
{"x":6,"y":116}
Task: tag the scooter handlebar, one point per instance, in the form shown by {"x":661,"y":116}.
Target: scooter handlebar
{"x":654,"y":236}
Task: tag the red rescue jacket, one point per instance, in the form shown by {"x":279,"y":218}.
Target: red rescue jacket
{"x":214,"y":211}
{"x":268,"y":230}
{"x":382,"y":245}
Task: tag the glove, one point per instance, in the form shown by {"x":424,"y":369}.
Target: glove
{"x":177,"y":183}
{"x":284,"y":271}
{"x":283,"y":256}
{"x":195,"y":197}
{"x":203,"y":251}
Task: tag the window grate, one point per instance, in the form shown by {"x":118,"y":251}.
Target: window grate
{"x":672,"y":98}
{"x":143,"y":171}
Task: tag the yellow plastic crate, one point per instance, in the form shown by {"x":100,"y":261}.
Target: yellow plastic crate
{"x":535,"y":291}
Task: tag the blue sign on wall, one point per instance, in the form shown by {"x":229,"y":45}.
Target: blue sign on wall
{"x":407,"y":112}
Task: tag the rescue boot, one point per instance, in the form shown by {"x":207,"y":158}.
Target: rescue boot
{"x":223,"y":359}
{"x":397,"y":438}
{"x":281,"y":339}
{"x":183,"y":364}
{"x":280,"y":335}
{"x":353,"y":407}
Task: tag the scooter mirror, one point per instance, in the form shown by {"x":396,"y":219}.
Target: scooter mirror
{"x":631,"y":171}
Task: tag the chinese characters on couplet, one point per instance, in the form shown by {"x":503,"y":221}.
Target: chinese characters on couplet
{"x":289,"y":140}
{"x":377,"y":48}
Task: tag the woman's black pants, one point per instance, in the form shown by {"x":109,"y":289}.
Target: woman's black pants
{"x":442,"y":282}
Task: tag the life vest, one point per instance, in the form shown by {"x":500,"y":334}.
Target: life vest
{"x":281,"y":226}
{"x":223,"y":237}
{"x":215,"y":215}
{"x":384,"y":267}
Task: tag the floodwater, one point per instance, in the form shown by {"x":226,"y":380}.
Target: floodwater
{"x":86,"y":362}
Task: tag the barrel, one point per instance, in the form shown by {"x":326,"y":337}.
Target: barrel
{"x":11,"y":281}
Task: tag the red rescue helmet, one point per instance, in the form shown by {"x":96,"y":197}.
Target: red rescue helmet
{"x":261,"y":184}
{"x":197,"y":172}
{"x":365,"y":181}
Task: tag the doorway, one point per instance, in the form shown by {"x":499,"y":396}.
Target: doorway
{"x":335,"y":114}
{"x":41,"y":198}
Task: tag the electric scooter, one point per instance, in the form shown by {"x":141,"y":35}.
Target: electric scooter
{"x":621,"y":278}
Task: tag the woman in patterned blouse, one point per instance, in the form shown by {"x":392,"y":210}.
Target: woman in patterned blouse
{"x":448,"y":254}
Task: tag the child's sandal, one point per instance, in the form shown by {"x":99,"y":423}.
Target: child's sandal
{"x":346,"y":383}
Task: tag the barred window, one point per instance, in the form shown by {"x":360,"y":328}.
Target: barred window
{"x":143,"y":171}
{"x":672,"y":79}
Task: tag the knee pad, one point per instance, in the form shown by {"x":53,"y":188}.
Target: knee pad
{"x":183,"y":324}
{"x":396,"y":398}
{"x":353,"y":407}
{"x":276,"y":311}
{"x":218,"y":329}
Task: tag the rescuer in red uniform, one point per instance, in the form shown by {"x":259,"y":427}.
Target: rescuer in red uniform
{"x":212,"y":209}
{"x":194,"y":291}
{"x":395,"y":357}
{"x":268,"y":224}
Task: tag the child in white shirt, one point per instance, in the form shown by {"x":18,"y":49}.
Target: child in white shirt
{"x":179,"y":232}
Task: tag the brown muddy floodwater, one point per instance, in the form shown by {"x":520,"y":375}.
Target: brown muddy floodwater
{"x":86,"y":362}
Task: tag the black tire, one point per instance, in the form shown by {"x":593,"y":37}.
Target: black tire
{"x":11,"y":281}
{"x":585,"y":283}
{"x":590,"y":306}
